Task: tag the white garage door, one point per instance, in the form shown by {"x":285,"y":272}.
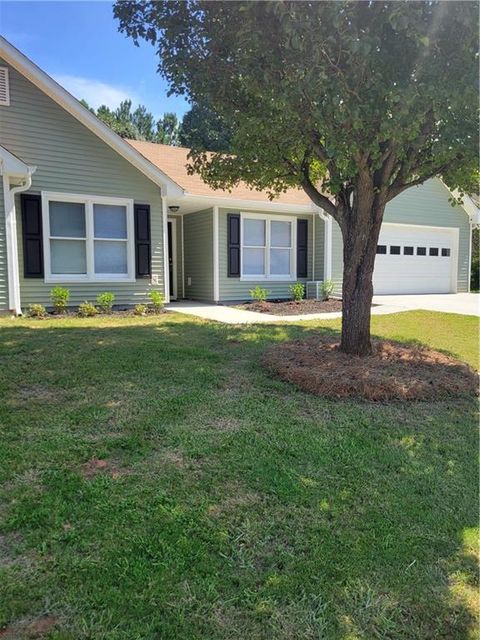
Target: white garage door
{"x":415,"y":259}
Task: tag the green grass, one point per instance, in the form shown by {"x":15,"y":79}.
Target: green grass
{"x":239,"y":507}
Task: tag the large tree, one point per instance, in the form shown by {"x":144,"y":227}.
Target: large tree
{"x":352,"y":101}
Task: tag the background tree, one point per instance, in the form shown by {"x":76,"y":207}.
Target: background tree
{"x":139,"y":124}
{"x":204,"y":130}
{"x":168,"y":130}
{"x":352,"y":101}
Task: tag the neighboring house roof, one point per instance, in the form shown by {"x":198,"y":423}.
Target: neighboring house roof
{"x":45,"y":83}
{"x":174,"y":160}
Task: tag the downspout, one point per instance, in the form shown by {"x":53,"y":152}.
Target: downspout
{"x":11,"y":240}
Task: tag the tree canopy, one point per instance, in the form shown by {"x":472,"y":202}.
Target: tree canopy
{"x":352,"y":101}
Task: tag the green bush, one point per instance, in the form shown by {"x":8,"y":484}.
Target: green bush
{"x":60,"y":297}
{"x":326,"y":289}
{"x":105,"y":301}
{"x":140,"y":309}
{"x":157,"y":300}
{"x":37,"y":311}
{"x":87,"y":309}
{"x":297,"y":290}
{"x":259,"y":294}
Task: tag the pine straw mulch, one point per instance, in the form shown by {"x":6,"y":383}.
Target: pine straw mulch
{"x":291,"y":308}
{"x":394,"y":371}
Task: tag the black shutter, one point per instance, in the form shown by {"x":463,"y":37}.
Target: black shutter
{"x":302,"y":248}
{"x":143,"y":254}
{"x":32,"y":235}
{"x":233,"y":238}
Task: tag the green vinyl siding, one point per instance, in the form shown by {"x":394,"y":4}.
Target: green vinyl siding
{"x":198,"y":249}
{"x":3,"y":254}
{"x":71,"y":159}
{"x":426,"y":205}
{"x":234,"y":289}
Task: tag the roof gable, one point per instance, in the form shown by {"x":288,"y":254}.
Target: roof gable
{"x":45,"y":83}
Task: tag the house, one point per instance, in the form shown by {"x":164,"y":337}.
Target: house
{"x":82,"y":208}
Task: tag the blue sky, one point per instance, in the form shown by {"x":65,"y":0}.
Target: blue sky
{"x":79,"y":45}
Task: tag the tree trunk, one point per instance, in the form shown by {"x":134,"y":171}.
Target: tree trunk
{"x":360,"y":237}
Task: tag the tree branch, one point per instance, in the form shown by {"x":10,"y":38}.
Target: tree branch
{"x":396,"y":190}
{"x":314,"y":194}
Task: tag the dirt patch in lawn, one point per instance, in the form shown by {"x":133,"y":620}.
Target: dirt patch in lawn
{"x":30,"y":629}
{"x":97,"y":466}
{"x":394,"y":371}
{"x":292,"y":308}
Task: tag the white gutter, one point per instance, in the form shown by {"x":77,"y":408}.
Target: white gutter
{"x":9,"y":194}
{"x":166,"y":270}
{"x":255,"y":205}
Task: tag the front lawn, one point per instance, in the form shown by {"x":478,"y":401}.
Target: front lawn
{"x":157,"y":484}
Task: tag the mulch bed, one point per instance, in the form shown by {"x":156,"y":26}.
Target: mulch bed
{"x":292,"y":308}
{"x":394,"y":371}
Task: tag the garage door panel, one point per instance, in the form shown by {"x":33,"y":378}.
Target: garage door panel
{"x":414,"y":260}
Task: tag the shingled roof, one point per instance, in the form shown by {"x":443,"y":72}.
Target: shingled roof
{"x":173,"y":162}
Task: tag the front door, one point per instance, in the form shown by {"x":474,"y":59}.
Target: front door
{"x":172,"y":257}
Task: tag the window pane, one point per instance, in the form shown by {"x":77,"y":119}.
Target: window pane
{"x":421,"y":251}
{"x":110,"y":221}
{"x":254,"y":262}
{"x":67,"y":219}
{"x":408,"y":251}
{"x":395,"y":250}
{"x":254,"y":232}
{"x":110,"y":257}
{"x":381,"y":248}
{"x":445,"y":253}
{"x":68,"y":256}
{"x":433,"y":251}
{"x":280,"y":234}
{"x":280,"y":262}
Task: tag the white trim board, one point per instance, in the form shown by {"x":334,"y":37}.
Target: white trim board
{"x":174,"y":293}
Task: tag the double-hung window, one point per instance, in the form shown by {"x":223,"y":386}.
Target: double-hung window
{"x":87,"y":238}
{"x":268,"y":247}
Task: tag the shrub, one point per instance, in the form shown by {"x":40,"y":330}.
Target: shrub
{"x":326,"y":289}
{"x":259,"y":294}
{"x":105,"y":301}
{"x":60,"y":297}
{"x":140,"y":309}
{"x":157,"y":300}
{"x":297,"y":290}
{"x":37,"y":311}
{"x":87,"y":309}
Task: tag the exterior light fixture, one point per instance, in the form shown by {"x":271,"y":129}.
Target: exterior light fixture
{"x":173,"y":208}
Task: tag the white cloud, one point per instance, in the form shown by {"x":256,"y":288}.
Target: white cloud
{"x":95,"y":92}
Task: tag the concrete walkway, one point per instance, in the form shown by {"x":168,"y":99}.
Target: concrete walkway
{"x":231,"y":315}
{"x":463,"y":303}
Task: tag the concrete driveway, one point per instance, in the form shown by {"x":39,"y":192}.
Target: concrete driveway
{"x":463,"y":303}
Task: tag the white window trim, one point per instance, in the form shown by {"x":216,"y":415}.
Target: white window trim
{"x":293,"y":249}
{"x":88,"y":201}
